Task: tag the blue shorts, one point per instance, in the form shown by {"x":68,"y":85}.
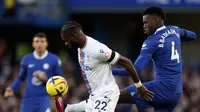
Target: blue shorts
{"x":163,"y":101}
{"x":41,"y":104}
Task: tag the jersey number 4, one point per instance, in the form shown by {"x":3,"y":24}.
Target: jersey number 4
{"x":175,"y":54}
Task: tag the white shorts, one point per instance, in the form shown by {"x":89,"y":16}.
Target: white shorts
{"x":102,"y":103}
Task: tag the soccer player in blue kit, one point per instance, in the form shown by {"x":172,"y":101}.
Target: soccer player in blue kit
{"x":163,"y":47}
{"x":37,"y":68}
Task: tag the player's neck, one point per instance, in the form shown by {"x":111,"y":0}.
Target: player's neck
{"x":83,"y":42}
{"x":160,"y":25}
{"x":40,"y":53}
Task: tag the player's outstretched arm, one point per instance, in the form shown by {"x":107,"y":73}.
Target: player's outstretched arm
{"x":187,"y":35}
{"x":22,"y":75}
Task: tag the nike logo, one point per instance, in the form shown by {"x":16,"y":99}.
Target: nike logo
{"x":144,"y":45}
{"x":31,"y":65}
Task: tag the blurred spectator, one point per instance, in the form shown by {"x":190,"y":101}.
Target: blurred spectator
{"x":42,"y":9}
{"x":2,"y":46}
{"x":9,"y":8}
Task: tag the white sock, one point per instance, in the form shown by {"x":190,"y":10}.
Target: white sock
{"x":79,"y":107}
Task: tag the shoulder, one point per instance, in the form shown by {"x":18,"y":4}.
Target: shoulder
{"x":26,"y":58}
{"x":152,"y":42}
{"x":55,"y":58}
{"x":95,"y":47}
{"x":172,"y":26}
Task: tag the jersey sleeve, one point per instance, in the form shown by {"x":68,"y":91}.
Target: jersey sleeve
{"x":145,"y":56}
{"x":58,"y":69}
{"x":105,"y":54}
{"x":119,"y":72}
{"x":22,"y":75}
{"x":187,"y":35}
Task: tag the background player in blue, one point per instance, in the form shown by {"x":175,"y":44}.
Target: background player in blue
{"x":163,"y":47}
{"x":37,"y":67}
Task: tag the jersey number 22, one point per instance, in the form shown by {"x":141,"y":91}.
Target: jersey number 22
{"x":175,"y":54}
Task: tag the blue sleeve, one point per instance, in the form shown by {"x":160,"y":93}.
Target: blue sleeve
{"x":21,"y":77}
{"x":145,"y":56}
{"x":119,"y":72}
{"x":58,"y":69}
{"x":187,"y":35}
{"x":141,"y":62}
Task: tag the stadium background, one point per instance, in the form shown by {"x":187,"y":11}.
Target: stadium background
{"x":117,"y":24}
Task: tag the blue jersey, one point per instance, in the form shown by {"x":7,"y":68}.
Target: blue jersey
{"x":164,"y":49}
{"x":31,"y":64}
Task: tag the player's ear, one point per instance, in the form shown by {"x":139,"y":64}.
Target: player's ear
{"x":47,"y":43}
{"x":74,"y":36}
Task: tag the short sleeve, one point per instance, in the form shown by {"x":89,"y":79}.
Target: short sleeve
{"x":107,"y":55}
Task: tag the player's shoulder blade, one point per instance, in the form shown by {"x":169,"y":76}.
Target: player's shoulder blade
{"x":92,"y":46}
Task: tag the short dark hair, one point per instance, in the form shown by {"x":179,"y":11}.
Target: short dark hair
{"x":155,"y":10}
{"x":71,"y":25}
{"x":40,"y":35}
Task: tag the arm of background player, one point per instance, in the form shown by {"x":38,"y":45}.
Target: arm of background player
{"x":58,"y":67}
{"x":119,"y":72}
{"x":127,"y":64}
{"x":139,"y":65}
{"x":187,"y":35}
{"x":21,"y":77}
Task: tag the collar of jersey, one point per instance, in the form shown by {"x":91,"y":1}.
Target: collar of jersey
{"x":38,"y":57}
{"x":159,"y":29}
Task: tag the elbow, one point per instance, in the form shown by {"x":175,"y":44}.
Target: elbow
{"x":194,"y":36}
{"x":22,"y":78}
{"x":129,"y":64}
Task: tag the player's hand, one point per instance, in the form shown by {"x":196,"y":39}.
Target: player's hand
{"x":9,"y":92}
{"x":59,"y":104}
{"x":145,"y":93}
{"x":41,"y":76}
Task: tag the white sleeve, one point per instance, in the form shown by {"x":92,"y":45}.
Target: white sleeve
{"x":107,"y":55}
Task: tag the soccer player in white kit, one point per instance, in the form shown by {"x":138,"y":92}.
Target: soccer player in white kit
{"x":96,"y":61}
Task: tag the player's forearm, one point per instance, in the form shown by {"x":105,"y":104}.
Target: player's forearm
{"x":127,"y":64}
{"x":17,"y":83}
{"x":187,"y":35}
{"x":119,"y":72}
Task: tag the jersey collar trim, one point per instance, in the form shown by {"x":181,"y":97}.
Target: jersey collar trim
{"x":159,"y":29}
{"x":42,"y":57}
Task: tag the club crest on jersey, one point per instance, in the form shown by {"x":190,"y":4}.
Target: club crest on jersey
{"x":46,"y":66}
{"x":101,"y":51}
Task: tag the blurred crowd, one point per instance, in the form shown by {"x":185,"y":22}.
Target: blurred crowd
{"x":77,"y":90}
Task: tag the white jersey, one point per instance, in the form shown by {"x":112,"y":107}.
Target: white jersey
{"x":95,"y":60}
